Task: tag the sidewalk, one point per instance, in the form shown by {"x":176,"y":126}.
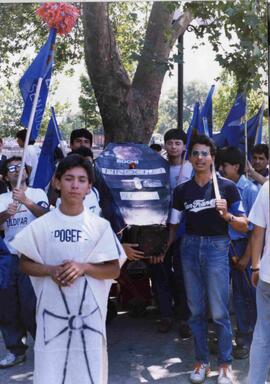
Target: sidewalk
{"x":137,"y":354}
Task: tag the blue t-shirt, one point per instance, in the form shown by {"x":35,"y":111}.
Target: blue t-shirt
{"x":198,"y":203}
{"x":248,"y":192}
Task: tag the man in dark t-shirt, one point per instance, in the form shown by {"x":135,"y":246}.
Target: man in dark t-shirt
{"x":204,"y":250}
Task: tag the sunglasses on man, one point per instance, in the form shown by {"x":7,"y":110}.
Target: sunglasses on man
{"x":200,"y":153}
{"x":14,"y":168}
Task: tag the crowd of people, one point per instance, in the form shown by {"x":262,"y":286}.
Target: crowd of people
{"x":218,"y":225}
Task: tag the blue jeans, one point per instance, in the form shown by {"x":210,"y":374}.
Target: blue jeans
{"x":17,"y":310}
{"x":160,"y":276}
{"x":260,"y":347}
{"x":206,"y":274}
{"x":244,"y":297}
{"x":168,"y":284}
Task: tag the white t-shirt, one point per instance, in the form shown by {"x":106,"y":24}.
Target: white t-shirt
{"x":76,"y":313}
{"x":90,"y":202}
{"x":23,"y":216}
{"x":259,"y":215}
{"x":180,"y":173}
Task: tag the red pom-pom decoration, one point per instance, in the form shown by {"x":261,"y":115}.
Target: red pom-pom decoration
{"x":61,"y":16}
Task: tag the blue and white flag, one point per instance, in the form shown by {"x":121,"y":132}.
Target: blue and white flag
{"x":41,"y":67}
{"x":46,"y":163}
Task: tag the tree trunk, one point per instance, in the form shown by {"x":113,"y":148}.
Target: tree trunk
{"x":129,"y":110}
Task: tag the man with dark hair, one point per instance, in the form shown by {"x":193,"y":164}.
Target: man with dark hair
{"x":258,"y":169}
{"x":244,"y":295}
{"x":17,"y":302}
{"x":31,"y":156}
{"x":74,"y":255}
{"x":180,"y":171}
{"x":156,"y":147}
{"x":80,"y":138}
{"x":204,"y":254}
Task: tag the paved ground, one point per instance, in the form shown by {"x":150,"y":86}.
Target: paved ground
{"x":137,"y":354}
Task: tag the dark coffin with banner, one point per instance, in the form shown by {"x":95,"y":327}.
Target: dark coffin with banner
{"x":135,"y":180}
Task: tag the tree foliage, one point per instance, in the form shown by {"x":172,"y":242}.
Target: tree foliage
{"x":243,"y":23}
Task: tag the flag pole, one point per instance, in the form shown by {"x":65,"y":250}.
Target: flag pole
{"x":259,"y":125}
{"x":215,"y":183}
{"x":29,"y":129}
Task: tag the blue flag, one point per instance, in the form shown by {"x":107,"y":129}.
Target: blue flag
{"x":235,"y":134}
{"x":254,"y":132}
{"x":207,"y":113}
{"x":236,"y":113}
{"x":41,"y":67}
{"x":194,"y":126}
{"x":46,"y":164}
{"x":219,"y":139}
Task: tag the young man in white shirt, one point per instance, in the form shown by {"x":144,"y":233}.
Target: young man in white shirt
{"x":180,"y":171}
{"x":17,"y":302}
{"x":72,"y":255}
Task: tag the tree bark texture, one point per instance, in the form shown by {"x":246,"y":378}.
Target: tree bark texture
{"x":129,"y":110}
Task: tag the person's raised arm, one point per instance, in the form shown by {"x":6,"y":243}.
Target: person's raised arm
{"x":34,"y":208}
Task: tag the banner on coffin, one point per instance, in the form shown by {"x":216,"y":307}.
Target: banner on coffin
{"x":137,"y":179}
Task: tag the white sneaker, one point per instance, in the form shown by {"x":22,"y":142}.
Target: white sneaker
{"x":225,"y":375}
{"x":199,"y":373}
{"x":10,"y":360}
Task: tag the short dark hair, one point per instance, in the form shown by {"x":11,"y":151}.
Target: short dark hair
{"x":233,"y":155}
{"x":7,"y":162}
{"x":261,"y":149}
{"x":175,"y":134}
{"x":81,"y":133}
{"x":204,"y":140}
{"x":156,"y":147}
{"x":21,"y":134}
{"x":74,"y":161}
{"x":83,"y":151}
